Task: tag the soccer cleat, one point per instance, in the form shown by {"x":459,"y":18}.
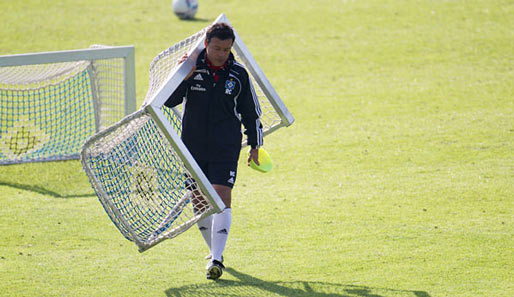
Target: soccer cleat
{"x":215,"y":270}
{"x":209,"y":257}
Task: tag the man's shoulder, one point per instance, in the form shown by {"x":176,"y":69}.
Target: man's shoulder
{"x":238,"y":69}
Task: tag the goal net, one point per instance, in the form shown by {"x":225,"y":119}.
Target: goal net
{"x":147,"y":185}
{"x":51,"y":102}
{"x":145,"y":178}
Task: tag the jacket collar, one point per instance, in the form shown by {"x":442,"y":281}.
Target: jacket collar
{"x":202,"y":61}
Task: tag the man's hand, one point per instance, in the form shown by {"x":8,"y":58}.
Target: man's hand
{"x":184,"y":57}
{"x":253,"y":155}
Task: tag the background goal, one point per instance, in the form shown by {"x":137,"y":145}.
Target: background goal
{"x":51,"y":102}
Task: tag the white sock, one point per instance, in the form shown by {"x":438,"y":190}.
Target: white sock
{"x":220,"y":228}
{"x":205,"y":227}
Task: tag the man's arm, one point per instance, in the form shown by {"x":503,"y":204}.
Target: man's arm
{"x":178,"y":95}
{"x":250,"y":111}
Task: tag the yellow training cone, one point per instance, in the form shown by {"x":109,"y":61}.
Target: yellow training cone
{"x":264,"y":160}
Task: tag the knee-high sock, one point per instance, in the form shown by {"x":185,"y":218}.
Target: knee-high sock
{"x":205,"y":226}
{"x":220,"y":228}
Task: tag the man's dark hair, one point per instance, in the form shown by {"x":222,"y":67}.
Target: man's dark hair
{"x":222,"y":31}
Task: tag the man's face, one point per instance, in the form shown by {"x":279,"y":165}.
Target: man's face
{"x":218,"y":50}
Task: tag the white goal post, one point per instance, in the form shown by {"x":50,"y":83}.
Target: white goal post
{"x":274,"y":112}
{"x":51,"y":102}
{"x":145,"y":178}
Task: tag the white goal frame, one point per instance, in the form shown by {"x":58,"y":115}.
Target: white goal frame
{"x":95,"y":53}
{"x":242,"y":52}
{"x":152,"y":112}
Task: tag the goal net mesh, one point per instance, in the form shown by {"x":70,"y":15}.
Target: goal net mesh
{"x":143,"y":184}
{"x":47,"y":111}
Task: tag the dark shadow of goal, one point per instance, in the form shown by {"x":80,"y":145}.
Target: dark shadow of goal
{"x":249,"y":286}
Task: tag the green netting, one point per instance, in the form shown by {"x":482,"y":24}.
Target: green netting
{"x":49,"y":108}
{"x":46,"y":123}
{"x":141,"y":181}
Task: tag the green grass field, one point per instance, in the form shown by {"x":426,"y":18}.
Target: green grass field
{"x":395,"y":180}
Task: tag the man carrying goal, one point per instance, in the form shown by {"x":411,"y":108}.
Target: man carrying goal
{"x":219,"y":97}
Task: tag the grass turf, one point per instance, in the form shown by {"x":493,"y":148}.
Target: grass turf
{"x":395,"y":180}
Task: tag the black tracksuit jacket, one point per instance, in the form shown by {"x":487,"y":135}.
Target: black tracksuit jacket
{"x":211,"y":124}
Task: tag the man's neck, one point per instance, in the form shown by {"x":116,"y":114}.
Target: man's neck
{"x":212,"y":67}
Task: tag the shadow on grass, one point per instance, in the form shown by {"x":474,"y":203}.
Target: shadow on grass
{"x":43,"y":191}
{"x":246,"y":285}
{"x":197,"y":20}
{"x":58,"y":179}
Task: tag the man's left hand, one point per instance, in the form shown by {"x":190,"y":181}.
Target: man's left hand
{"x":254,"y":155}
